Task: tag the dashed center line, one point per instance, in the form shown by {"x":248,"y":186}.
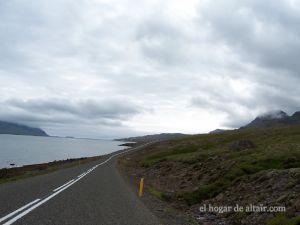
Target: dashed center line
{"x":63,"y":185}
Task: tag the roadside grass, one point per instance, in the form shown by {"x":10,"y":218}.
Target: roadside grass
{"x":177,"y":152}
{"x":276,"y":148}
{"x":159,"y":194}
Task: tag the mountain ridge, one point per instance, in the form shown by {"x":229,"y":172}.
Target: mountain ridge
{"x":273,"y":119}
{"x":20,"y":129}
{"x":154,"y":137}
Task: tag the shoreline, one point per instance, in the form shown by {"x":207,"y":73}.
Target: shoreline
{"x":13,"y":164}
{"x":27,"y":171}
{"x":23,"y":172}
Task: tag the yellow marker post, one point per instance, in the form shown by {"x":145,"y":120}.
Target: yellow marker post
{"x":141,"y":191}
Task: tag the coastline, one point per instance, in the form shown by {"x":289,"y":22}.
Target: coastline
{"x":20,"y":150}
{"x":27,"y":171}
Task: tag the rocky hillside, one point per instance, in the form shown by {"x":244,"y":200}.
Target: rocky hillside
{"x":154,"y":137}
{"x":277,"y":118}
{"x":248,"y":166}
{"x":18,"y":129}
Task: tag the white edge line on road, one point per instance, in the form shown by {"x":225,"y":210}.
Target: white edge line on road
{"x":19,"y":216}
{"x":81,"y":175}
{"x":18,"y":210}
{"x":63,"y":185}
{"x":39,"y":203}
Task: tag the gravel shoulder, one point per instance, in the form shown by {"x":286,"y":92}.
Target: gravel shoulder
{"x":167,"y":214}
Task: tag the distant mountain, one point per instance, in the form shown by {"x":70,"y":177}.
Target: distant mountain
{"x":154,"y":137}
{"x":18,"y":129}
{"x":218,"y":131}
{"x":273,"y":119}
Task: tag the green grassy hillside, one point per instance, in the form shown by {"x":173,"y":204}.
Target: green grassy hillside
{"x":203,"y":168}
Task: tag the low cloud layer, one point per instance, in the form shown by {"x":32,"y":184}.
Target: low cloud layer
{"x":64,"y":112}
{"x":80,"y":109}
{"x":118,"y":68}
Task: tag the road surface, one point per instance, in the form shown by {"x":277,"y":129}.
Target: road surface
{"x":89,"y":194}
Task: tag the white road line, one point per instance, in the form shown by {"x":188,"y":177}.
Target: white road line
{"x":18,"y":210}
{"x":61,"y":189}
{"x":39,"y":204}
{"x":81,"y":175}
{"x":63,"y":185}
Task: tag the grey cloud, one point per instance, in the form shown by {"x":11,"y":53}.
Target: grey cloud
{"x":70,"y":52}
{"x":236,"y":122}
{"x":163,"y":41}
{"x":89,"y":108}
{"x":39,"y":111}
{"x":265,"y":36}
{"x":239,"y":110}
{"x":262,"y":32}
{"x":21,"y":25}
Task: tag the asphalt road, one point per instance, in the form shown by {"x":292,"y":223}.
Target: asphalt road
{"x":99,"y":196}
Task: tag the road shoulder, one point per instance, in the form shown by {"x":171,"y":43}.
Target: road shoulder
{"x":162,"y":210}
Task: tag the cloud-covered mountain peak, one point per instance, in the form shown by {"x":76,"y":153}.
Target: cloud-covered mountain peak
{"x":277,"y":114}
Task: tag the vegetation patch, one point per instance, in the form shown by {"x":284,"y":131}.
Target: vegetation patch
{"x":204,"y":192}
{"x":225,"y":167}
{"x":159,"y":194}
{"x":178,"y":152}
{"x":282,"y":219}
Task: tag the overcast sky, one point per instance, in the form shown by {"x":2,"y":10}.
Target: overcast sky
{"x":112,"y":68}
